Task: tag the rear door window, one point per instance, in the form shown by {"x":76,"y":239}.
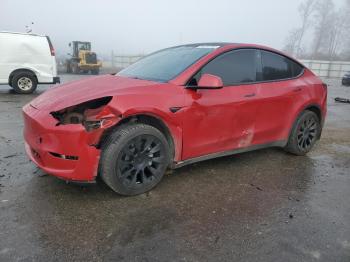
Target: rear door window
{"x":278,"y":67}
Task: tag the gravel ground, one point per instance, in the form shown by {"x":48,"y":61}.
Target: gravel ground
{"x":258,"y":206}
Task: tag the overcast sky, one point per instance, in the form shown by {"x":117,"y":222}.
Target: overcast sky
{"x":134,"y":27}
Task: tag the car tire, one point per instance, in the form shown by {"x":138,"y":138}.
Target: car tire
{"x":304,"y":134}
{"x":24,"y":83}
{"x":134,"y":159}
{"x":68,"y":68}
{"x":75,"y":68}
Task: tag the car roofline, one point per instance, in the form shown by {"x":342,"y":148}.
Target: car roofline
{"x":232,"y":45}
{"x":20,"y":33}
{"x":182,"y":78}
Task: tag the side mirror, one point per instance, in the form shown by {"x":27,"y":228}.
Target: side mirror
{"x":70,"y":44}
{"x":208,"y":81}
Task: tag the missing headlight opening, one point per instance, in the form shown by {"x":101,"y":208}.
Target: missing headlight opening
{"x":82,"y":113}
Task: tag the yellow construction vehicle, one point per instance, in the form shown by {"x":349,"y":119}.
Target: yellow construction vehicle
{"x":82,"y":59}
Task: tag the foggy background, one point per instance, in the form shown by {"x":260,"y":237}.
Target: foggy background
{"x":140,"y":27}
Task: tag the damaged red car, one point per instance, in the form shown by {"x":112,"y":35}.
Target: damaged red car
{"x":174,"y":107}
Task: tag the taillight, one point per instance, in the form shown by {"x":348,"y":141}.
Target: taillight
{"x":52,"y":50}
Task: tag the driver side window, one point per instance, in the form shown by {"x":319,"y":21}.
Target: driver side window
{"x":235,"y":67}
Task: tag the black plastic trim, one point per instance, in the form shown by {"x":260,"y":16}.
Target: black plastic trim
{"x":280,"y":143}
{"x":174,"y":109}
{"x":55,"y":80}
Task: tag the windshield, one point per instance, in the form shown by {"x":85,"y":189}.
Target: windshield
{"x":166,"y":64}
{"x":84,"y":46}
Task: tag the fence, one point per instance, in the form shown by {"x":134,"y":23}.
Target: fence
{"x":122,"y":61}
{"x":326,"y":69}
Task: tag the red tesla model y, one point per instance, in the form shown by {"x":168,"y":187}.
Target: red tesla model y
{"x":174,"y":107}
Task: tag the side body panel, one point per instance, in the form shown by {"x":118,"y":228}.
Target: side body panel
{"x":278,"y":101}
{"x":218,"y":120}
{"x":222,"y":120}
{"x":24,"y":51}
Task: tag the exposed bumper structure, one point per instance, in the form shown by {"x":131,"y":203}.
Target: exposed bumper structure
{"x":65,"y":151}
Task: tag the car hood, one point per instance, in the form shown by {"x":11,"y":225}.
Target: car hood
{"x":73,"y":93}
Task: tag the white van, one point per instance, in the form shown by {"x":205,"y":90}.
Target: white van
{"x":26,"y":60}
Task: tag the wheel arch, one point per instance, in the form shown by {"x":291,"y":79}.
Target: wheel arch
{"x":310,"y":107}
{"x":148,"y":119}
{"x":316,"y":109}
{"x":20,"y":70}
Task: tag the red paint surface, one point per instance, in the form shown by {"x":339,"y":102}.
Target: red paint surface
{"x":209,"y":121}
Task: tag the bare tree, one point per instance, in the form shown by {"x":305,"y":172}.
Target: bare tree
{"x":344,"y":39}
{"x":292,"y":42}
{"x":324,"y":15}
{"x":335,"y":33}
{"x":338,"y":32}
{"x":305,"y":10}
{"x":296,"y":35}
{"x":331,"y":37}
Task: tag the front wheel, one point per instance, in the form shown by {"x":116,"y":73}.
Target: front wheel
{"x":95,"y":71}
{"x":304,"y":134}
{"x":134,"y":159}
{"x":75,"y":68}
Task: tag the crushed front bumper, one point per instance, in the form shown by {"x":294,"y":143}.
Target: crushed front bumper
{"x":65,"y":151}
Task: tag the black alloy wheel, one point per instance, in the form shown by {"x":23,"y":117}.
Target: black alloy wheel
{"x":304,"y":134}
{"x":140,"y":161}
{"x":307,"y":133}
{"x":134,"y":159}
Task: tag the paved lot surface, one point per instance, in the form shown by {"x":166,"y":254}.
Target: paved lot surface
{"x":259,"y":206}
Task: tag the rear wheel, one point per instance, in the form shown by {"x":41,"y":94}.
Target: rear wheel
{"x":24,"y":83}
{"x":68,"y":67}
{"x":134,"y":159}
{"x":304,"y":134}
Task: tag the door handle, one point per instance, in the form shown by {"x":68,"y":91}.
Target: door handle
{"x":250,"y":95}
{"x":297,"y":89}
